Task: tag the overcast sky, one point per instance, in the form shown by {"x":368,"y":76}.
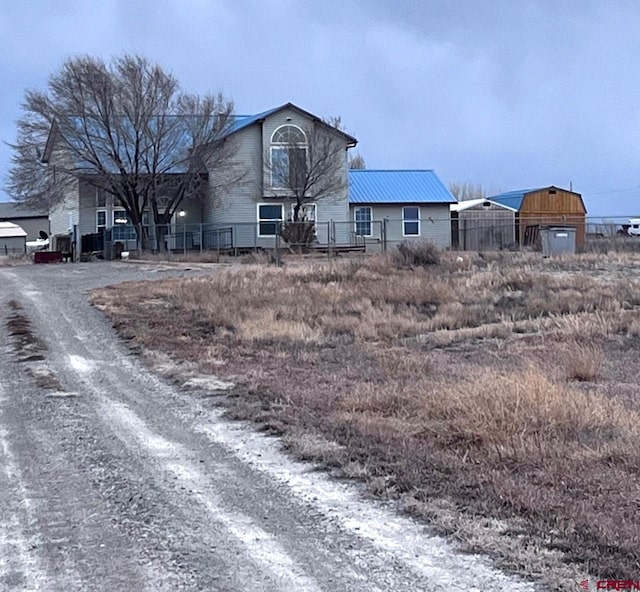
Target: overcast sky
{"x":508,"y":94}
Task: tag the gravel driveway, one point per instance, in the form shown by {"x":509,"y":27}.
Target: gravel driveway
{"x":111,"y":479}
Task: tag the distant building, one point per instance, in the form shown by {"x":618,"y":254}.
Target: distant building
{"x":545,"y":206}
{"x":32,"y":222}
{"x":482,"y":224}
{"x":12,"y":239}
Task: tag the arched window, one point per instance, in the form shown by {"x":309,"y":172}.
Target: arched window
{"x":288,"y":134}
{"x":163,"y":203}
{"x":288,"y":158}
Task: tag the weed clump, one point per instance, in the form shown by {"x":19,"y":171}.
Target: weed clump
{"x":420,"y":254}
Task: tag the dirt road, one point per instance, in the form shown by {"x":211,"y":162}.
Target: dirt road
{"x":111,"y":479}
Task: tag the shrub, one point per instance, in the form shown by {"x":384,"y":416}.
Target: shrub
{"x":416,"y":254}
{"x":259,"y":258}
{"x":299,"y":234}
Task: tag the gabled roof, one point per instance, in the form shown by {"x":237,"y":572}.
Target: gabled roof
{"x":11,"y":210}
{"x":244,"y":121}
{"x":514,"y":199}
{"x":465,"y":204}
{"x":9,"y":230}
{"x":396,"y":187}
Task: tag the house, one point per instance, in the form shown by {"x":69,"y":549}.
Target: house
{"x":32,"y":222}
{"x":482,"y":224}
{"x":393,"y":206}
{"x":245,"y":214}
{"x":544,"y":206}
{"x":12,"y":239}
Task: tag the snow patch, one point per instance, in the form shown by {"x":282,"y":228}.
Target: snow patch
{"x":16,"y":549}
{"x":80,"y":364}
{"x":63,"y":395}
{"x":208,"y":383}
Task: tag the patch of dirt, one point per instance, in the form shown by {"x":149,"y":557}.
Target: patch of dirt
{"x":30,"y":350}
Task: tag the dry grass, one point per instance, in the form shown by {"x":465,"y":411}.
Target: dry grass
{"x":487,"y":386}
{"x":582,"y":361}
{"x":188,"y":257}
{"x":14,"y":260}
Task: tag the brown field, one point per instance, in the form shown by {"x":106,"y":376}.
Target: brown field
{"x":496,"y":397}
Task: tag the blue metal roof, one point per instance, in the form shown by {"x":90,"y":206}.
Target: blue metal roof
{"x":392,"y":187}
{"x":242,"y":121}
{"x":513,"y":199}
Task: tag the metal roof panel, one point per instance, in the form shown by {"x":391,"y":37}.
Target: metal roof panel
{"x":9,"y":230}
{"x":513,"y":199}
{"x":397,"y":186}
{"x":10,"y":210}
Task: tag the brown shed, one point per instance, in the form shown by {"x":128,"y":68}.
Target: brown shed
{"x":545,"y":206}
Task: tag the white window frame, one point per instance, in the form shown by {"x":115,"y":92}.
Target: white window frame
{"x":412,"y":221}
{"x":286,"y":142}
{"x":305,"y":206}
{"x":267,"y":220}
{"x":100,"y":196}
{"x":356,"y":221}
{"x":101,"y":227}
{"x":113,"y":215}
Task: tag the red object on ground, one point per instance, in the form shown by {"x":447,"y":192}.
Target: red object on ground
{"x":47,"y":257}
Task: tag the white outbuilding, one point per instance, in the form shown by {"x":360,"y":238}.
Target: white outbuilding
{"x":13,"y":239}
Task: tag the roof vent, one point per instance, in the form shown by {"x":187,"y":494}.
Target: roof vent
{"x":552,"y":191}
{"x":486,"y":204}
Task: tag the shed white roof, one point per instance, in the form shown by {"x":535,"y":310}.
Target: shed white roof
{"x":10,"y":230}
{"x":472,"y":203}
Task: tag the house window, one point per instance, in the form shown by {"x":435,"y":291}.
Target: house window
{"x":362,"y":217}
{"x":307,"y":213}
{"x":288,"y":158}
{"x":269,"y":217}
{"x":120,"y":217}
{"x":101,"y":197}
{"x":122,"y":226}
{"x":411,"y":221}
{"x":101,"y":220}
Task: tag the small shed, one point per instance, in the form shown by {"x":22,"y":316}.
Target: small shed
{"x":545,"y":206}
{"x":482,"y":224}
{"x":13,"y":239}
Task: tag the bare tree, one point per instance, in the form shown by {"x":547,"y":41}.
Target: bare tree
{"x":126,"y":128}
{"x":465,"y":191}
{"x":357,"y":162}
{"x":307,"y":165}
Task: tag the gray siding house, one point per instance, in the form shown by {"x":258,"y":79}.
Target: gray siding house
{"x":399,"y":205}
{"x":246,"y":212}
{"x":252,"y":206}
